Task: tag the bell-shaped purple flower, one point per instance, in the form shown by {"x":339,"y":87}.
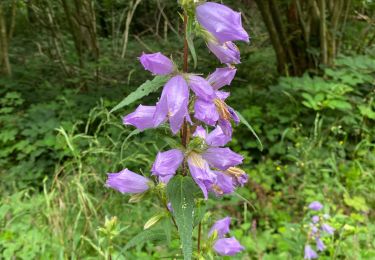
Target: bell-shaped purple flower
{"x":328,"y":229}
{"x":127,"y":181}
{"x":166,"y":164}
{"x":221,"y":77}
{"x":141,"y":118}
{"x":206,"y":112}
{"x":222,"y":158}
{"x":310,"y":253}
{"x":228,"y":246}
{"x":173,"y":104}
{"x":315,"y":205}
{"x":157,"y":63}
{"x":201,"y":87}
{"x":221,"y":227}
{"x":226,"y":52}
{"x":222,"y":22}
{"x":319,"y":244}
{"x":201,"y":172}
{"x":224,"y":184}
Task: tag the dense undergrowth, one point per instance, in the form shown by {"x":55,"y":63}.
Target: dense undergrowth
{"x":58,"y":141}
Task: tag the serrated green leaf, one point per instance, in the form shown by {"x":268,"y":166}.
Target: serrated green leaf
{"x":247,"y":124}
{"x":179,"y":192}
{"x":144,"y":236}
{"x":144,"y":90}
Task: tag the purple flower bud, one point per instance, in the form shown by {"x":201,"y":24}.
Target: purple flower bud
{"x":157,"y":63}
{"x":319,"y":244}
{"x":221,"y":77}
{"x":221,"y":227}
{"x":127,"y":181}
{"x":222,"y":22}
{"x":315,"y":205}
{"x":226,"y":52}
{"x":206,"y":112}
{"x":167,"y":163}
{"x":328,"y":229}
{"x":222,"y":158}
{"x":173,"y":104}
{"x":315,"y":219}
{"x":141,"y":118}
{"x":310,"y":253}
{"x":228,"y":246}
{"x":201,"y":87}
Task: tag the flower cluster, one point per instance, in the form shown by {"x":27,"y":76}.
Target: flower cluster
{"x":222,"y":245}
{"x":192,"y":101}
{"x":318,"y":227}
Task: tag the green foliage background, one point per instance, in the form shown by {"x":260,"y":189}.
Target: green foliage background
{"x":58,"y":140}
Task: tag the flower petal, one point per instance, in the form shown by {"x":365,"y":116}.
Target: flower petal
{"x":217,"y":137}
{"x":127,"y":181}
{"x":228,"y":246}
{"x":201,"y":87}
{"x":157,"y":63}
{"x":206,"y":112}
{"x":221,"y":227}
{"x":141,"y":118}
{"x":222,"y":158}
{"x":221,"y":77}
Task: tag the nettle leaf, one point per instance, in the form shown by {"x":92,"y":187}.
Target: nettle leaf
{"x":144,"y":236}
{"x":144,"y":90}
{"x":247,"y":124}
{"x":180,"y":194}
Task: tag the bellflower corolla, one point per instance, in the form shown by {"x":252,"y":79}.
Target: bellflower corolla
{"x":141,"y":118}
{"x":315,"y":205}
{"x":216,"y":110}
{"x":310,"y":253}
{"x":157,"y":63}
{"x":127,"y":181}
{"x":226,"y":52}
{"x":224,"y":246}
{"x":222,"y":22}
{"x":208,"y":155}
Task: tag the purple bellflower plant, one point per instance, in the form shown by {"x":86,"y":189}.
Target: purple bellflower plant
{"x":317,"y":229}
{"x":195,"y":109}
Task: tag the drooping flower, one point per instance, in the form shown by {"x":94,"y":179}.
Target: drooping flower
{"x":228,"y":246}
{"x":221,"y":227}
{"x":221,"y":77}
{"x":127,"y":181}
{"x":328,"y":229}
{"x":310,"y":253}
{"x":173,"y":104}
{"x":166,"y":164}
{"x":315,"y":205}
{"x":227,"y":52}
{"x":222,"y":22}
{"x":157,"y":63}
{"x":216,"y":111}
{"x":319,"y":244}
{"x":141,"y":118}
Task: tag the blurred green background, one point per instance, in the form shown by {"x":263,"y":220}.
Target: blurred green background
{"x":305,"y":84}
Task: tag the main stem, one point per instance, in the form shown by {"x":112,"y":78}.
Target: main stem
{"x":185,"y":131}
